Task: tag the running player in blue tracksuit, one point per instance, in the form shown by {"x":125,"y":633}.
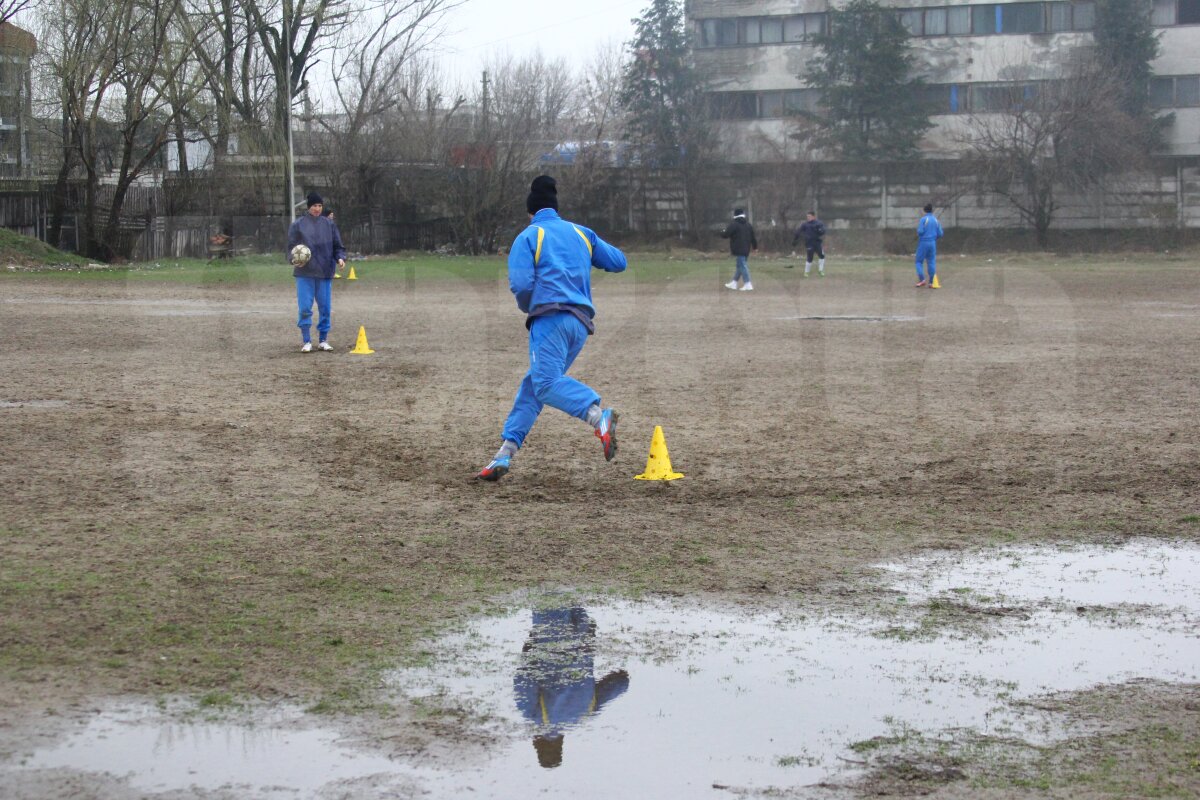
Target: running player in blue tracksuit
{"x":929,"y":230}
{"x":549,"y":272}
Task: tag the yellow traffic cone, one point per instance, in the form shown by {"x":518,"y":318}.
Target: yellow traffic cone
{"x":361,"y":348}
{"x":352,"y":276}
{"x":935,"y":284}
{"x":658,"y":465}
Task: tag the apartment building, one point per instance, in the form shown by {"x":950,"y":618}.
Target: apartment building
{"x":17,"y":48}
{"x":972,"y":54}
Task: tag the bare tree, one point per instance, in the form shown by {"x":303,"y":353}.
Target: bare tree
{"x":596,"y":131}
{"x":10,"y":8}
{"x":520,"y":112}
{"x":371,"y":77}
{"x":1030,"y":141}
{"x":113,"y":62}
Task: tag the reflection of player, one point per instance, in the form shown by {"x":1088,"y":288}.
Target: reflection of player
{"x":555,"y":685}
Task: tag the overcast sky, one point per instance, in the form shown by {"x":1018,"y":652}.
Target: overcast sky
{"x":570,"y":29}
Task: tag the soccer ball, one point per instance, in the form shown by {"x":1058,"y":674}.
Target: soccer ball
{"x":300,"y":255}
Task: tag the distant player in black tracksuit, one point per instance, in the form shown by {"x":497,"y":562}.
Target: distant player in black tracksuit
{"x":812,"y":231}
{"x":740,"y":234}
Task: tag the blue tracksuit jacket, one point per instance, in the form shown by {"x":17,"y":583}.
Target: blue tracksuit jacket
{"x":550,"y":264}
{"x":929,"y":229}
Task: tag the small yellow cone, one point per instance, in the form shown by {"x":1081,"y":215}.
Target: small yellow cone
{"x":337,"y":275}
{"x":351,"y":276}
{"x":361,"y":348}
{"x":935,"y":285}
{"x":658,"y":465}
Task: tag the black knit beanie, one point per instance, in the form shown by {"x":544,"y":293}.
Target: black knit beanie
{"x":314,"y":198}
{"x":543,"y":193}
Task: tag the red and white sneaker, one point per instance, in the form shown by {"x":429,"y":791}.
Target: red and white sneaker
{"x":606,"y":432}
{"x":496,"y":469}
{"x":921,"y":283}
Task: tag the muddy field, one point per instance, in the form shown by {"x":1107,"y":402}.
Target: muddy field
{"x":193,"y":507}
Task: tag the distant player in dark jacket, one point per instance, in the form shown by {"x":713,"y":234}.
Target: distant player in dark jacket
{"x":740,"y":234}
{"x":812,"y":231}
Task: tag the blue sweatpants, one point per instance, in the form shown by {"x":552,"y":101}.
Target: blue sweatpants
{"x":554,"y":342}
{"x":926,"y":251}
{"x":740,"y":270}
{"x":308,"y":290}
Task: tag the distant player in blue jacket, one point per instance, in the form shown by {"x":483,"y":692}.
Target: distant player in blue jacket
{"x":549,"y":272}
{"x":929,"y":230}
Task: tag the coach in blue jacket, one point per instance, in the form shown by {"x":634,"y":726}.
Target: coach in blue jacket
{"x":314,"y":278}
{"x":549,"y":272}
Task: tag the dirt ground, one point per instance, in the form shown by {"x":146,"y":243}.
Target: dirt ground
{"x":191,"y":505}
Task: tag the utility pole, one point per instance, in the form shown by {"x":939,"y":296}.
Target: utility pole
{"x":290,"y":166}
{"x":485,"y":101}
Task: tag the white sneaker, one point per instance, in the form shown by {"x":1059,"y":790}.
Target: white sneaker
{"x":307,"y":348}
{"x":748,"y":287}
{"x":324,"y":346}
{"x":731,"y":285}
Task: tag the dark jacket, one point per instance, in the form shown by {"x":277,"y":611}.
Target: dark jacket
{"x":811,"y":231}
{"x":740,"y":234}
{"x":323,"y":239}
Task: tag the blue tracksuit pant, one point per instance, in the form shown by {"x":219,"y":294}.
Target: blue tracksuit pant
{"x":554,"y":342}
{"x":308,"y":290}
{"x":926,"y":251}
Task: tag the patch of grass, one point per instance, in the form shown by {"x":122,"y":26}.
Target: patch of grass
{"x":1190,"y":519}
{"x":29,"y":252}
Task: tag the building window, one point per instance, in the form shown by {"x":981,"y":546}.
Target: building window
{"x":1188,"y":12}
{"x":958,"y":20}
{"x":1162,"y":92}
{"x":1162,"y":12}
{"x":772,"y":31}
{"x":800,"y":101}
{"x":770,"y":105}
{"x":985,"y":19}
{"x":1187,"y":91}
{"x":911,"y":20}
{"x":1058,"y":17}
{"x":1083,"y":16}
{"x":935,"y":22}
{"x":1021,"y":18}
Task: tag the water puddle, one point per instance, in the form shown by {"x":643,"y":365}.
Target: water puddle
{"x":667,"y":699}
{"x":153,"y":751}
{"x":851,"y":318}
{"x":33,"y":404}
{"x":180,"y":307}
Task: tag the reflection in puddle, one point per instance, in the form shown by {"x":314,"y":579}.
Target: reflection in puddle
{"x":556,"y":686}
{"x":670,"y":699}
